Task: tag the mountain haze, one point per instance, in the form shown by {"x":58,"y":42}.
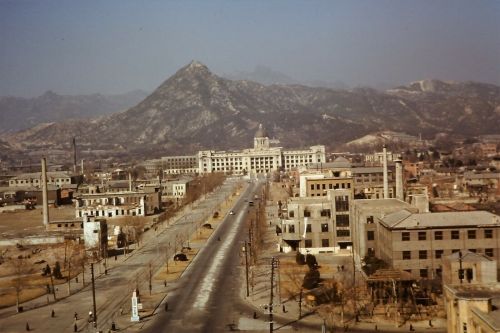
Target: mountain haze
{"x":17,"y":113}
{"x":196,"y":109}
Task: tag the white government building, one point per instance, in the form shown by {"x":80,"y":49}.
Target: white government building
{"x":262,"y":158}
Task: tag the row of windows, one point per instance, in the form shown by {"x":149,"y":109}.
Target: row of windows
{"x":330,"y":186}
{"x":423,"y":254}
{"x":324,"y":228}
{"x":110,"y":213}
{"x":454,"y":234}
{"x":324,"y":243}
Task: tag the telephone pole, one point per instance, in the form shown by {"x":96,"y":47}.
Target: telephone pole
{"x":246,"y":267}
{"x":273,"y":263}
{"x":93,"y":295}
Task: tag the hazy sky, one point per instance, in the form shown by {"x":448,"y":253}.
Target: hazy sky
{"x":113,"y":46}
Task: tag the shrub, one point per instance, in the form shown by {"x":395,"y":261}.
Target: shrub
{"x":311,"y":279}
{"x":300,"y":259}
{"x":311,"y":261}
{"x":57,"y":271}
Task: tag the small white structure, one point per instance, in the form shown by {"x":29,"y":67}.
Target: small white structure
{"x":95,"y":234}
{"x":135,"y":308}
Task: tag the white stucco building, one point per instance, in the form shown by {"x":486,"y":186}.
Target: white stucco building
{"x":260,"y":159}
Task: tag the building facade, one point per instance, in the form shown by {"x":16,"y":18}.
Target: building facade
{"x":417,"y":242}
{"x":260,"y":159}
{"x":318,"y":224}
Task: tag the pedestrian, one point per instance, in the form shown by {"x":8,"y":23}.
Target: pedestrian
{"x":121,"y":311}
{"x":27,"y":326}
{"x":166,"y":306}
{"x":76,"y":316}
{"x":53,"y":314}
{"x":376,"y":327}
{"x":75,"y":328}
{"x":254,"y":315}
{"x":116,"y":258}
{"x":430,"y":323}
{"x":165,"y":283}
{"x":411,"y":328}
{"x":76,"y":279}
{"x":284,"y":309}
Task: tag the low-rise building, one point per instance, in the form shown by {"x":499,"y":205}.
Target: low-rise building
{"x":467,"y":267}
{"x":417,"y":242}
{"x":35,"y":179}
{"x":472,"y":308}
{"x":117,"y":204}
{"x":366,"y":214}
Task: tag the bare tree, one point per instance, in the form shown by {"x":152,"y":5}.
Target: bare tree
{"x":21,"y":269}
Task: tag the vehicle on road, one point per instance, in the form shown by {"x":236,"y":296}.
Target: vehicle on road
{"x":250,"y":203}
{"x":231,"y":212}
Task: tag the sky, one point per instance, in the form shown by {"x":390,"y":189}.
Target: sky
{"x":115,"y":46}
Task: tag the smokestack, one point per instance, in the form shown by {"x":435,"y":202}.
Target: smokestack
{"x":130,"y":182}
{"x":386,"y":180}
{"x":399,"y":179}
{"x":74,"y":155}
{"x":44,"y":194}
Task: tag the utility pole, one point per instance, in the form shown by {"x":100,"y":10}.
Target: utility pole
{"x":300,"y":304}
{"x":271,"y":299}
{"x":93,"y":295}
{"x":246,"y":268}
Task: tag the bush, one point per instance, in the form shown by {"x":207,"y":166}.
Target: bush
{"x":311,"y":279}
{"x":311,"y":261}
{"x":57,"y":271}
{"x":300,"y":259}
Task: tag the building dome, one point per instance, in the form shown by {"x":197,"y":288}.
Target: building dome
{"x":261,"y":132}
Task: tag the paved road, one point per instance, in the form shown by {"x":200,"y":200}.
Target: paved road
{"x":203,"y":297}
{"x":114,"y":290}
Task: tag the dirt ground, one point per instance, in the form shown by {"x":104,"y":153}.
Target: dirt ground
{"x":20,"y":223}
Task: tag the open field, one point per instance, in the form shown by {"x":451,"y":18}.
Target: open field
{"x":29,"y":222}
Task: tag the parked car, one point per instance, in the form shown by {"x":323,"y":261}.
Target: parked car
{"x":231,"y":212}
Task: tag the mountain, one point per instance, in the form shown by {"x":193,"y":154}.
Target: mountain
{"x":17,"y":113}
{"x":196,"y":109}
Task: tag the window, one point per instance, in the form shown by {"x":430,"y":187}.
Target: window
{"x":342,"y":220}
{"x":291,"y":228}
{"x":439,"y":272}
{"x":324,"y":227}
{"x":423,"y":273}
{"x":488,"y":233}
{"x":422,"y":254}
{"x":291,"y":213}
{"x":342,"y":203}
{"x":488,"y":252}
{"x":438,"y":235}
{"x":405,"y":236}
{"x":308,"y":228}
{"x":308,"y":243}
{"x":439,"y":254}
{"x":406,"y":255}
{"x":422,"y":235}
{"x":370,"y":235}
{"x":307,"y":213}
{"x":325,"y":243}
{"x":312,"y":186}
{"x":325,"y":212}
{"x":455,"y":234}
{"x":343,"y":233}
{"x":471,"y":234}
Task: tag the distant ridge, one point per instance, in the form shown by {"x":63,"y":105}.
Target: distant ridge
{"x":196,"y":109}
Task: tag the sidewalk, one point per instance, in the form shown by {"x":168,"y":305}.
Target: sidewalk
{"x":38,"y":311}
